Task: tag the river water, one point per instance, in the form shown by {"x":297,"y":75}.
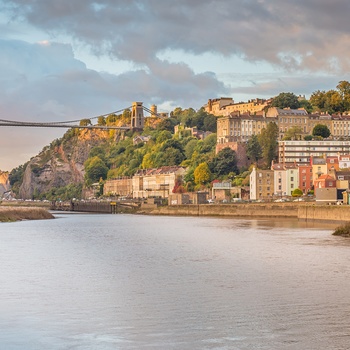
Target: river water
{"x":141,"y":282}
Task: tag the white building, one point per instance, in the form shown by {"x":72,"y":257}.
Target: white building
{"x":300,"y":152}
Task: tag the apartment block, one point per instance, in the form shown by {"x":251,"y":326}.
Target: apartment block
{"x":261,"y":184}
{"x":301,"y":152}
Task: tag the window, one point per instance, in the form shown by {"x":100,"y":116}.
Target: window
{"x":292,"y":179}
{"x":292,"y":186}
{"x":279,"y":181}
{"x":280,"y":187}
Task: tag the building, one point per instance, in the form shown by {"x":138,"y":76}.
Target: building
{"x":326,"y":189}
{"x":237,"y":127}
{"x":214,"y":105}
{"x":224,"y":106}
{"x":140,"y":139}
{"x":261,"y":184}
{"x":288,"y":118}
{"x":121,"y":186}
{"x":320,"y":118}
{"x":340,"y":127}
{"x":286,"y":179}
{"x":305,"y":178}
{"x":157,"y":182}
{"x":300,"y":152}
{"x":344,"y":161}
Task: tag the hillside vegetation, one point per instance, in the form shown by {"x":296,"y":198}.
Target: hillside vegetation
{"x":83,"y":157}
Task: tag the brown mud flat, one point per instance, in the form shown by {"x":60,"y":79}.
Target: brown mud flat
{"x":11,"y":214}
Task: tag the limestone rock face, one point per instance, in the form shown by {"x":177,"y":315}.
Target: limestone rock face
{"x":4,"y":182}
{"x":60,"y":164}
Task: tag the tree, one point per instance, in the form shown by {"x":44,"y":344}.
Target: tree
{"x":254,"y":150}
{"x":321,"y":130}
{"x":306,"y":105}
{"x":101,"y":121}
{"x":285,"y":100}
{"x":293,"y":133}
{"x":333,"y":101}
{"x":95,"y":169}
{"x":268,"y":142}
{"x":297,"y":192}
{"x":202,"y":174}
{"x":163,"y":136}
{"x":343,"y":88}
{"x":85,"y":122}
{"x":224,"y":162}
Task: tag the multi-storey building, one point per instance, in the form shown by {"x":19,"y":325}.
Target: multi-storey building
{"x":238,"y":127}
{"x":121,"y":186}
{"x":224,"y":106}
{"x":214,"y":106}
{"x":288,"y":118}
{"x":344,"y":161}
{"x":156,"y":182}
{"x":340,"y":127}
{"x":261,"y":184}
{"x":317,"y":118}
{"x":300,"y":152}
{"x":286,"y":179}
{"x":305,"y":178}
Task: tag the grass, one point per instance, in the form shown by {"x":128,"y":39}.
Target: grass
{"x":11,"y":214}
{"x":343,"y":230}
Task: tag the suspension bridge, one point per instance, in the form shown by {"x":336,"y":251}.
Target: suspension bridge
{"x":136,"y":120}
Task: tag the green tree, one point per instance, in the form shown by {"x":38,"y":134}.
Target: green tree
{"x":95,"y":169}
{"x":306,"y":105}
{"x":85,"y":122}
{"x":297,"y":192}
{"x":190,"y":148}
{"x":224,"y":162}
{"x":163,"y":136}
{"x":343,"y":88}
{"x":285,"y":100}
{"x":293,"y":133}
{"x":269,"y":143}
{"x":101,"y":121}
{"x":202,"y":174}
{"x":321,"y":130}
{"x":254,"y":150}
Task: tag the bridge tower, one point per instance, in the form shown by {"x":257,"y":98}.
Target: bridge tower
{"x":153,"y":111}
{"x":137,"y":117}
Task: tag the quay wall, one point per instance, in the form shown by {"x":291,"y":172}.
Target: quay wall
{"x":330,"y":213}
{"x":302,"y":211}
{"x":240,"y":210}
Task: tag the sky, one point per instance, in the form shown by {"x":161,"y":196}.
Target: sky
{"x":64,"y":60}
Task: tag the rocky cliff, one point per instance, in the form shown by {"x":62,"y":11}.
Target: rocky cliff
{"x":4,"y":182}
{"x":61,"y":163}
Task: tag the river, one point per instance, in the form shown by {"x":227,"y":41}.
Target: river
{"x":85,"y":281}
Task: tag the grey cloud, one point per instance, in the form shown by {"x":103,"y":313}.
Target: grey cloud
{"x":293,"y":34}
{"x":46,"y":83}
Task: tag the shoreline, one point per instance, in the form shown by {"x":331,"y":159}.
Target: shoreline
{"x":14,"y":213}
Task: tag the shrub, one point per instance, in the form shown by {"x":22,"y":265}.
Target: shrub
{"x":343,"y":230}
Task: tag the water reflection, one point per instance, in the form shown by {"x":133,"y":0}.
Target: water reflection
{"x":134,"y":282}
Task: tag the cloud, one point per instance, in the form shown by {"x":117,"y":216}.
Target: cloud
{"x":44,"y":82}
{"x":291,"y":34}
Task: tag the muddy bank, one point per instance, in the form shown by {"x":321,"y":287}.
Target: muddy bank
{"x":10,"y":214}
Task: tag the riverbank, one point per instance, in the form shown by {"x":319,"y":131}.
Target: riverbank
{"x":301,"y":211}
{"x":11,"y":213}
